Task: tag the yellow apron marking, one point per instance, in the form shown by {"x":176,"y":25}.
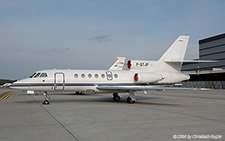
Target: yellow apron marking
{"x":6,"y":95}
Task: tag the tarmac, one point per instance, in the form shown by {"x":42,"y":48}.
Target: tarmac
{"x":159,"y":115}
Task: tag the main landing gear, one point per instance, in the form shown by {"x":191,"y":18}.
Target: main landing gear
{"x":47,"y":97}
{"x":116,"y":97}
{"x":130,"y":99}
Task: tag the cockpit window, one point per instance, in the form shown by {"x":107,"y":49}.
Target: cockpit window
{"x":32,"y":75}
{"x":44,"y":75}
{"x":37,"y":75}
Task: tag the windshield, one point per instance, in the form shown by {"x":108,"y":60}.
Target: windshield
{"x":37,"y":75}
{"x":32,"y":75}
{"x":44,"y":75}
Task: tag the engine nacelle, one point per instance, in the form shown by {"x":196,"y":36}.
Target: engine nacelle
{"x":147,"y":77}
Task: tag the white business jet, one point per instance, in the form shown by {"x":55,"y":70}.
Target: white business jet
{"x":141,"y":75}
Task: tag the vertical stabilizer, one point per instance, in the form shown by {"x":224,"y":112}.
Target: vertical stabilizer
{"x":174,"y":56}
{"x":177,"y":50}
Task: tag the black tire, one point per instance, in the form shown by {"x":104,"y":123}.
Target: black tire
{"x":46,"y":102}
{"x":129,"y":100}
{"x":116,"y":98}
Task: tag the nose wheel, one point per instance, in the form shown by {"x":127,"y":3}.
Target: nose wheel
{"x":46,"y":102}
{"x":47,"y":97}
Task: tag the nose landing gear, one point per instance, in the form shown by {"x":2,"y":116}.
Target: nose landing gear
{"x":47,"y":97}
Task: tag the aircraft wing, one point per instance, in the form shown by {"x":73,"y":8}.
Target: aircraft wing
{"x":142,"y":88}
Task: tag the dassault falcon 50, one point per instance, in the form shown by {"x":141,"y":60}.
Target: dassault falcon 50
{"x":141,"y":75}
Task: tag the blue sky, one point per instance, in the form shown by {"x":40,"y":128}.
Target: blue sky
{"x":90,"y":34}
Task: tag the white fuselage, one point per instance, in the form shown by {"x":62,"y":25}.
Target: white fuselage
{"x":89,"y":80}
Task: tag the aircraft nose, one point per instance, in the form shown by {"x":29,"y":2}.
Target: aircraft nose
{"x":16,"y":85}
{"x":13,"y":85}
{"x":20,"y":85}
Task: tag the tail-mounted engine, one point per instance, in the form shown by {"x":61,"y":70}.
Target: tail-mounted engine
{"x":147,"y":77}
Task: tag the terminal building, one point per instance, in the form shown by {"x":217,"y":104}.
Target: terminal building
{"x":213,"y":73}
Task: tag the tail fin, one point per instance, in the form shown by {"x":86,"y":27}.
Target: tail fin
{"x":171,"y":60}
{"x":177,"y":50}
{"x":118,"y":65}
{"x":174,"y":56}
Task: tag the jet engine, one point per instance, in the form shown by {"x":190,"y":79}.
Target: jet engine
{"x":147,"y":77}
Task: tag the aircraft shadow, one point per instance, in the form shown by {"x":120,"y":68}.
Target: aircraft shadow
{"x":141,"y":100}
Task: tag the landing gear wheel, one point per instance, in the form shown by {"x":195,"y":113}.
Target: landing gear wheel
{"x":46,"y":102}
{"x":116,"y":98}
{"x":129,"y":100}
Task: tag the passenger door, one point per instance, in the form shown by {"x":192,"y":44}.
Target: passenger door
{"x":59,"y":81}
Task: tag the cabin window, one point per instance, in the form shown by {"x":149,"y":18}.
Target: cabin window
{"x":96,"y":75}
{"x":103,"y":75}
{"x":37,"y":75}
{"x":44,"y":75}
{"x":32,"y":75}
{"x":115,"y":76}
{"x":82,"y":75}
{"x":89,"y":75}
{"x":76,"y":75}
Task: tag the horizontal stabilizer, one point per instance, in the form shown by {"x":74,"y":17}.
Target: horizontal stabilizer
{"x":190,"y":61}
